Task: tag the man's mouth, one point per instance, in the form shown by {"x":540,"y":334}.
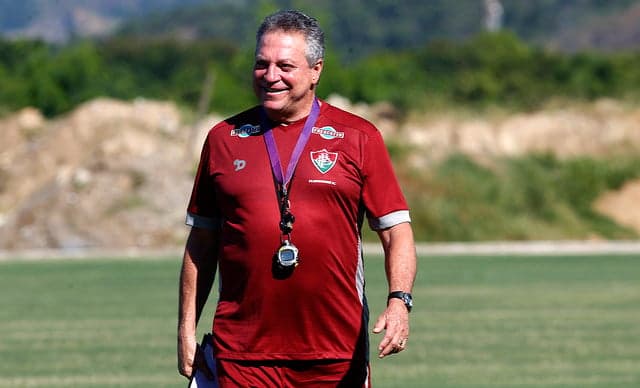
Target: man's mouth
{"x":274,"y":91}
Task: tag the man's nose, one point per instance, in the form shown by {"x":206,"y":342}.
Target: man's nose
{"x":272,"y":74}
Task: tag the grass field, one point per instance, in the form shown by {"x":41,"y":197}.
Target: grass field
{"x":478,"y":322}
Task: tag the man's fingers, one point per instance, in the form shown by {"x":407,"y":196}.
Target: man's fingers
{"x":186,"y":355}
{"x":381,"y":323}
{"x":389,"y":349}
{"x":394,"y":321}
{"x":393,"y":347}
{"x":186,"y":372}
{"x":390,"y":345}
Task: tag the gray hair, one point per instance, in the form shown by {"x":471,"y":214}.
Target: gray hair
{"x":296,"y":21}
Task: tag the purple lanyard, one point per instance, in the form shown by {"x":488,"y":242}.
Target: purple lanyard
{"x":272,"y":149}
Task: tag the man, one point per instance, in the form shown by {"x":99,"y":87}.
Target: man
{"x":277,"y":206}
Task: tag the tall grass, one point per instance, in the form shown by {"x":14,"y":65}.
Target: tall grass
{"x":527,"y":198}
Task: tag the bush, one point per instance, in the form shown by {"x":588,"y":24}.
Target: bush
{"x":526,"y":198}
{"x":490,"y":69}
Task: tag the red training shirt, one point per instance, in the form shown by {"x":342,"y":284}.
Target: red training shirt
{"x":343,"y":175}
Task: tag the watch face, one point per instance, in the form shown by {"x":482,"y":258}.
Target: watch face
{"x":408,"y":300}
{"x":288,"y":255}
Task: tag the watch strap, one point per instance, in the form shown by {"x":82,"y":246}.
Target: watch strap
{"x":403,"y":296}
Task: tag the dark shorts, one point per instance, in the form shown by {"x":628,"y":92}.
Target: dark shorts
{"x":293,"y":374}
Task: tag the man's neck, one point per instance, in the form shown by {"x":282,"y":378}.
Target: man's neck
{"x":285,"y":118}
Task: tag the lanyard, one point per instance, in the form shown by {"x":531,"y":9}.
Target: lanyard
{"x":274,"y":157}
{"x":282,"y":180}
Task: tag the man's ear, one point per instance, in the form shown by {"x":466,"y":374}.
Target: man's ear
{"x":316,"y":71}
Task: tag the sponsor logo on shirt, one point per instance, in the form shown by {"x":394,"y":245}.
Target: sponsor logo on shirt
{"x":324,"y":160}
{"x":323,"y":181}
{"x":246,"y":130}
{"x":239,"y":164}
{"x":327,"y":133}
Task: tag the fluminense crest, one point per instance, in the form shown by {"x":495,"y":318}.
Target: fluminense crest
{"x":324,"y":160}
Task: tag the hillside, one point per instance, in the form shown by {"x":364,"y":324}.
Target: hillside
{"x":109,"y":174}
{"x":114,"y":174}
{"x":355,"y":27}
{"x":61,"y":21}
{"x":611,"y":32}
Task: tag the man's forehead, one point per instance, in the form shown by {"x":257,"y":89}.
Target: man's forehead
{"x":281,"y":44}
{"x":289,"y":36}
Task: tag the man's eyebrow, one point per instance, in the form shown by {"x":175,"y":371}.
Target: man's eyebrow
{"x":277,"y":62}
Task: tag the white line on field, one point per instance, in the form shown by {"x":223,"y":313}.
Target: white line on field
{"x":516,"y":248}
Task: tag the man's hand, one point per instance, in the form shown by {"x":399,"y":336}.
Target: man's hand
{"x":395,"y":320}
{"x":191,"y":358}
{"x":187,"y":349}
{"x":400,"y":265}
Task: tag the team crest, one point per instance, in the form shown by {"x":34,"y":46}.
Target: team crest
{"x":246,"y":130}
{"x":324,"y":160}
{"x":327,"y":133}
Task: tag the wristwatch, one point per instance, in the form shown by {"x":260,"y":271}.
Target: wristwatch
{"x":403,"y":296}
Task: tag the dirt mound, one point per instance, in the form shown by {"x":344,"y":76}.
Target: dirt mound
{"x":595,"y":129}
{"x":115,"y":174}
{"x":110,"y":174}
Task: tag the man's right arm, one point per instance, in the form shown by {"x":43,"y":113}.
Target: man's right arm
{"x":196,"y":278}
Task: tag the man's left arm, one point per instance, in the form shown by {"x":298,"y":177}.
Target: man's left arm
{"x":400,"y":266}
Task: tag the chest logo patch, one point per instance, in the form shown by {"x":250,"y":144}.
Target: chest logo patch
{"x":327,"y":133}
{"x":239,"y":164}
{"x":246,"y":130}
{"x":324,"y":160}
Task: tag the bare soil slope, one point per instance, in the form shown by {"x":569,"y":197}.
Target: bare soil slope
{"x":110,"y":174}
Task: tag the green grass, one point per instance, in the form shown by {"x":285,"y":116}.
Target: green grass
{"x":530,"y":197}
{"x":478,"y":322}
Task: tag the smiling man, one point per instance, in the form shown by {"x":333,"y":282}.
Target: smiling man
{"x":284,"y":77}
{"x":277,"y":208}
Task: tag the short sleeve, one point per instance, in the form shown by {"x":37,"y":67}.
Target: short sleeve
{"x":202,"y":211}
{"x":383,"y":199}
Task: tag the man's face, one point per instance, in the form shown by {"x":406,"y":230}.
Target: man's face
{"x":282,"y":78}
